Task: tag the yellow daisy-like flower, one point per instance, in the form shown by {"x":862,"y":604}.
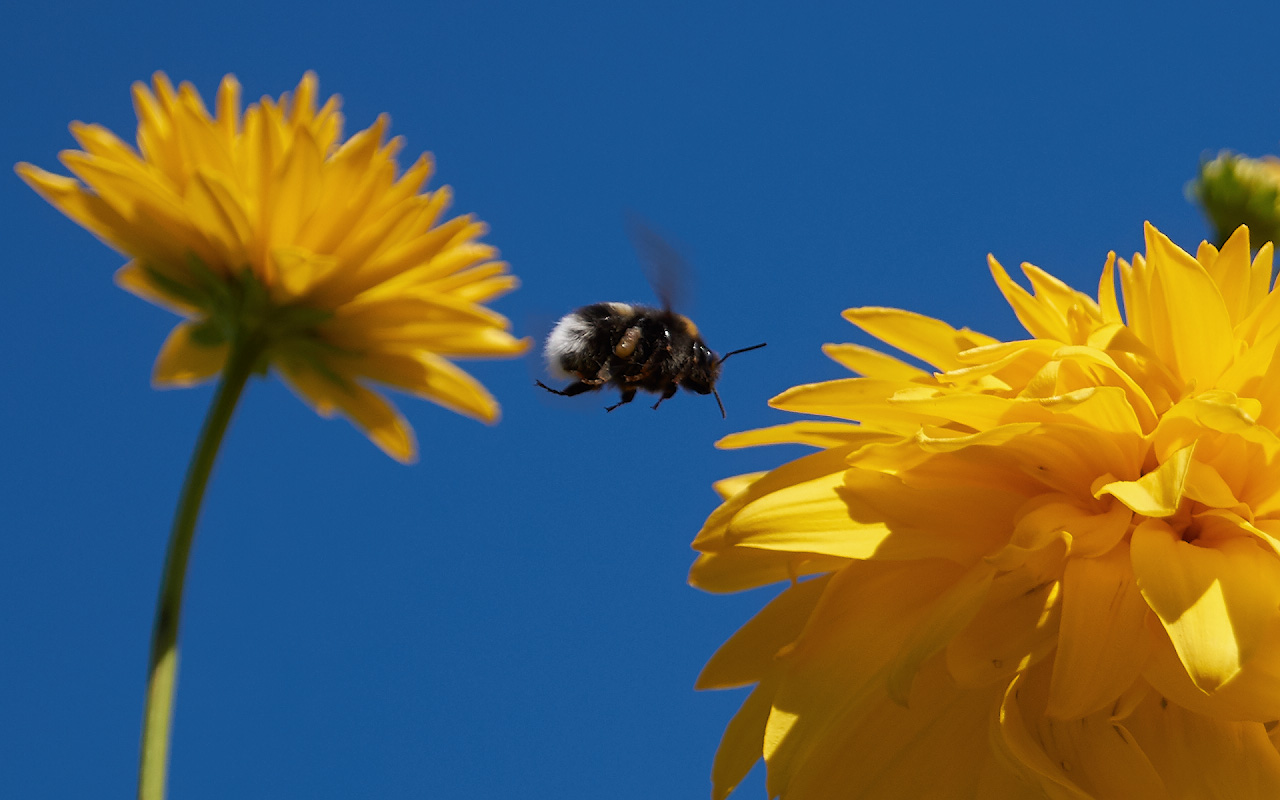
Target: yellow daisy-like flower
{"x":1043,"y":568}
{"x":266,"y":224}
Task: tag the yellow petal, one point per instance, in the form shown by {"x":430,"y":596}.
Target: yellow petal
{"x":84,"y":207}
{"x":294,"y":192}
{"x":1091,"y":531}
{"x":1090,"y":367}
{"x":1057,"y":295}
{"x":298,"y":270}
{"x":1041,"y":521}
{"x":897,"y":454}
{"x":863,"y":514}
{"x":1201,"y":757}
{"x":860,"y":399}
{"x":154,"y":203}
{"x":1016,"y":626}
{"x":1158,"y":493}
{"x":1231,"y":270}
{"x":932,"y":513}
{"x":1253,"y":694}
{"x":809,"y":517}
{"x":1040,"y":319}
{"x":728,"y":487}
{"x":1092,"y":758}
{"x":482,"y":290}
{"x":872,"y":363}
{"x":429,"y":376}
{"x":1107,"y":303}
{"x":834,"y":673}
{"x":216,"y":207}
{"x":1102,"y":408}
{"x":935,"y":747}
{"x":135,"y":279}
{"x":815,"y":467}
{"x":1260,"y":274}
{"x":974,"y":411}
{"x":1205,"y":485}
{"x":742,"y":745}
{"x":99,"y":141}
{"x":750,"y":654}
{"x":1263,"y":323}
{"x":389,"y":313}
{"x":367,"y":410}
{"x":740,"y":568}
{"x":1266,"y":532}
{"x":1217,"y":601}
{"x":1252,"y":375}
{"x":930,"y":340}
{"x":1214,"y":410}
{"x":1191,"y":325}
{"x":949,"y":615}
{"x":1001,"y":367}
{"x":1102,"y":636}
{"x":183,"y":363}
{"x":813,"y":433}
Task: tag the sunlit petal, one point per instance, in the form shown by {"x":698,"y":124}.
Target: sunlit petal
{"x":1217,"y":601}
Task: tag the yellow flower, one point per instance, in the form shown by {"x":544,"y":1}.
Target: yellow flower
{"x":1040,"y":568}
{"x":266,"y":224}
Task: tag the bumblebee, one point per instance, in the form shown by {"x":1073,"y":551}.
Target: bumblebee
{"x":635,"y":347}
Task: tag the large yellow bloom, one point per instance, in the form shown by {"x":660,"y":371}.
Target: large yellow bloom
{"x":1042,"y":568}
{"x":267,"y":224}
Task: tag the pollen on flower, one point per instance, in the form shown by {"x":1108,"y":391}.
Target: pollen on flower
{"x":1045,"y":567}
{"x":267,"y":224}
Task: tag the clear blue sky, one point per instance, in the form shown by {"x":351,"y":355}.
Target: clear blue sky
{"x":509,"y":617}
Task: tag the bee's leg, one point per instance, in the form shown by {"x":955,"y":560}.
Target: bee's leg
{"x":627,"y":395}
{"x":575,"y":388}
{"x":666,"y":394}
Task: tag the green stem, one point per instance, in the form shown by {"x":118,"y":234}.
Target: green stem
{"x":157,"y":716}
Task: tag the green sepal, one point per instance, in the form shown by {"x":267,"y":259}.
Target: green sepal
{"x":215,"y":286}
{"x":187,"y":295}
{"x":1233,"y":190}
{"x":209,"y":334}
{"x":315,"y":355}
{"x":239,"y":307}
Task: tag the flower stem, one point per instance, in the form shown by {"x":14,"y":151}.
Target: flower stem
{"x":157,"y":716}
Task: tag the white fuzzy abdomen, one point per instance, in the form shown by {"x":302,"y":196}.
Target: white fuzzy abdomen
{"x":566,"y":343}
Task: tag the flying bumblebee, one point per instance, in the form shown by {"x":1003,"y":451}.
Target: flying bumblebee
{"x":635,"y":347}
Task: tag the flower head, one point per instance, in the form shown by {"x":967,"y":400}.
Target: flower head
{"x":1038,"y":568}
{"x":268,"y":225}
{"x":1235,"y":190}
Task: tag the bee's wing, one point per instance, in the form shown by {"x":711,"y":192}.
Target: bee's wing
{"x":663,"y":265}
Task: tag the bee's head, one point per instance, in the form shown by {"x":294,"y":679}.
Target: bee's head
{"x":704,"y":370}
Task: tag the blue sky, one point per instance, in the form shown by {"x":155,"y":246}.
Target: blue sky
{"x":509,"y":617}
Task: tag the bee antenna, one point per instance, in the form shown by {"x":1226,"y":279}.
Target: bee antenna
{"x":717,"y":394}
{"x":725,"y":357}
